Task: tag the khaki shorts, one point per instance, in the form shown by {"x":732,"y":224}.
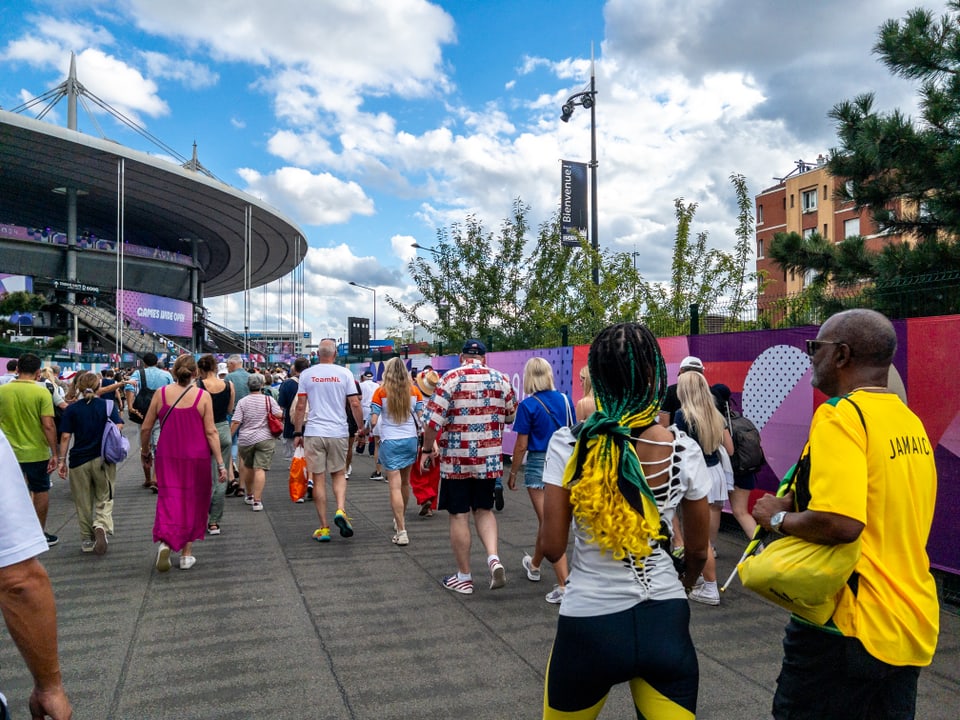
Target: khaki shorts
{"x":258,"y":456}
{"x":325,"y":455}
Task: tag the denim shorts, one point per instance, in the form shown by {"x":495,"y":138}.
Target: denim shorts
{"x":38,"y":479}
{"x":398,"y":454}
{"x":533,"y":471}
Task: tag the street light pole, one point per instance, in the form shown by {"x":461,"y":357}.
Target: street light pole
{"x":438,"y":256}
{"x":356,"y":284}
{"x":588,"y":99}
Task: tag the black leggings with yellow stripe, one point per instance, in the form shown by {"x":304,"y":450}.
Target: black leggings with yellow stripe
{"x":648,"y":646}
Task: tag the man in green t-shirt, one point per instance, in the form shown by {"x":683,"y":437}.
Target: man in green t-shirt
{"x":26,"y":418}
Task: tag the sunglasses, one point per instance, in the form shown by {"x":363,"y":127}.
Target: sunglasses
{"x":814,"y":345}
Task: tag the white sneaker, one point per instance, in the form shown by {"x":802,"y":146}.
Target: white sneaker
{"x":349,"y":470}
{"x":706,"y":594}
{"x":555,"y":596}
{"x":401,"y":538}
{"x":187,"y":562}
{"x":498,"y":575}
{"x":163,"y":557}
{"x":256,"y":506}
{"x":533,"y":574}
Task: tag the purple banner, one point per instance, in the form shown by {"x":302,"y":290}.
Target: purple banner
{"x":162,"y":315}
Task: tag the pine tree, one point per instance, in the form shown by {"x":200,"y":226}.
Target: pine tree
{"x":890,"y":157}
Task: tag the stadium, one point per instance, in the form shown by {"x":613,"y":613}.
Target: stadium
{"x":126,"y":246}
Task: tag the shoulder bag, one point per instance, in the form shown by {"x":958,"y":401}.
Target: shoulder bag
{"x":273,"y":422}
{"x":805,"y":578}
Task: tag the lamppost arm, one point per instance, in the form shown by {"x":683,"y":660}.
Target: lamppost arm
{"x":373,"y":290}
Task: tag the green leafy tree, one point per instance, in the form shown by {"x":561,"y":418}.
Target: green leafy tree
{"x":477,"y":284}
{"x":711,"y":279}
{"x":21,"y":301}
{"x":888,"y":157}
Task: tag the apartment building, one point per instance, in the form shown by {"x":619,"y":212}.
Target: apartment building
{"x":805,"y":202}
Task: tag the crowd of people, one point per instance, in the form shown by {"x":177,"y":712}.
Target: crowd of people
{"x":636,"y":471}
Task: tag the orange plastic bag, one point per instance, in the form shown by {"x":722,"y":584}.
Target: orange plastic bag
{"x":298,"y":476}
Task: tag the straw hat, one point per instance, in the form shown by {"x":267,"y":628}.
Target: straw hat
{"x":428,"y":382}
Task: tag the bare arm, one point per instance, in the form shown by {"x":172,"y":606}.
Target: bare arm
{"x":64,"y":444}
{"x":233,"y":398}
{"x":555,"y":529}
{"x":299,"y":410}
{"x":519,"y":450}
{"x":205,"y":406}
{"x":824,"y":528}
{"x":107,"y":389}
{"x":26,"y":599}
{"x":50,"y":433}
{"x":727,"y":442}
{"x":357,"y":410}
{"x":146,"y":458}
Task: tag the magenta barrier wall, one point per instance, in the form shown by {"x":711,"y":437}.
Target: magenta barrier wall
{"x":768,"y":373}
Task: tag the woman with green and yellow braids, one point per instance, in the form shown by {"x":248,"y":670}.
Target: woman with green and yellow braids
{"x":619,"y":478}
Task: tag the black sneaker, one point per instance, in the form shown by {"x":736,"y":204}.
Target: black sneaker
{"x":51,"y":539}
{"x":498,"y":497}
{"x":309,"y":492}
{"x":376,"y":475}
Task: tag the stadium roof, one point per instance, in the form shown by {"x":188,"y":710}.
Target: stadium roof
{"x":165,"y":205}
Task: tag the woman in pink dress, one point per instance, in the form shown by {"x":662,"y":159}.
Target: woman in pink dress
{"x":188,"y":437}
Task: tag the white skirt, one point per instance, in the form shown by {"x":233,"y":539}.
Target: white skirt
{"x":718,"y":484}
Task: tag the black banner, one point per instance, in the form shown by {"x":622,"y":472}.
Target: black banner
{"x":71,"y":286}
{"x":573,"y":202}
{"x":358,"y":335}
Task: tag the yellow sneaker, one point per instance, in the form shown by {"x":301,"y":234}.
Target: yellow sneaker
{"x":322,"y":535}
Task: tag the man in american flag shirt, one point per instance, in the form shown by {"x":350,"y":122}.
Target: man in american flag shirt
{"x":471,"y":405}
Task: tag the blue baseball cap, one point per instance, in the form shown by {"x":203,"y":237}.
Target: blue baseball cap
{"x":474,"y":347}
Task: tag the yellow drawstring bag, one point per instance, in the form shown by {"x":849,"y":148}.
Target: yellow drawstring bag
{"x":803,"y":577}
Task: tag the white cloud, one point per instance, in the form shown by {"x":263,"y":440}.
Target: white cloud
{"x":190,"y":74}
{"x":108,"y":77}
{"x":373,"y":46}
{"x":403,"y":248}
{"x":320,"y":199}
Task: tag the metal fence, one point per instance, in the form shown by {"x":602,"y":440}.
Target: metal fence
{"x":913,"y":296}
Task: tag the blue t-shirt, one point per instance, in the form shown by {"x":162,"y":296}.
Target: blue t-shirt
{"x":534,"y":421}
{"x":85,"y":421}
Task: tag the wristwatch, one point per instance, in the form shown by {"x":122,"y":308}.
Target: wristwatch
{"x":298,"y":434}
{"x":776,"y":522}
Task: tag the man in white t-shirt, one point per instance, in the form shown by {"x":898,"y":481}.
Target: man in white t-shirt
{"x":324,"y":433}
{"x":26,"y":596}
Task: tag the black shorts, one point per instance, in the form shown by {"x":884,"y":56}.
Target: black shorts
{"x":648,"y":646}
{"x":38,"y":479}
{"x":461,"y":495}
{"x":831,"y":676}
{"x":745,"y":482}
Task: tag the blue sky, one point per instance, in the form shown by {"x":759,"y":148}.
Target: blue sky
{"x":371,"y":123}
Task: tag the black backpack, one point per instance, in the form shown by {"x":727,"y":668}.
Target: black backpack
{"x":747,"y":455}
{"x":141,"y":403}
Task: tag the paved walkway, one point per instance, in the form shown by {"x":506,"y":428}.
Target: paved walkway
{"x":271,"y":625}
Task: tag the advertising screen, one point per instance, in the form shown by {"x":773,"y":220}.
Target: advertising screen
{"x":162,"y":315}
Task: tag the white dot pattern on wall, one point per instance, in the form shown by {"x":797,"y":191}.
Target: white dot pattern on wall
{"x":770,"y":379}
